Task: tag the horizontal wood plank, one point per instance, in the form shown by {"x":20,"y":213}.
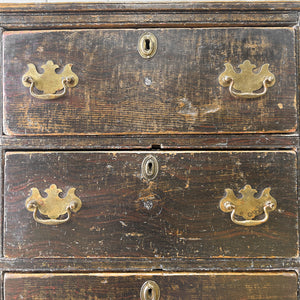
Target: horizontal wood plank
{"x":131,"y":6}
{"x":179,"y":286}
{"x":140,"y":264}
{"x":143,"y":19}
{"x":188,"y":142}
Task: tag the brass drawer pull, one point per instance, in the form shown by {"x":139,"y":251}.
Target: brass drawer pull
{"x":147,"y":45}
{"x":245,"y":83}
{"x":52,"y":206}
{"x":248,"y":206}
{"x":49,"y":82}
{"x":150,"y":291}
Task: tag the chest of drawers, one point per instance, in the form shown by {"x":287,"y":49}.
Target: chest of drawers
{"x":150,"y":151}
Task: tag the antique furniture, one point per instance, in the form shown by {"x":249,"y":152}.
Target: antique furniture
{"x":150,"y":151}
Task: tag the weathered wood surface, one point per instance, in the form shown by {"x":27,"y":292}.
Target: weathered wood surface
{"x":137,"y":264}
{"x":285,"y":6}
{"x":177,"y":91}
{"x":115,"y":15}
{"x":153,"y":142}
{"x":143,"y":19}
{"x":184,"y":221}
{"x":179,"y":286}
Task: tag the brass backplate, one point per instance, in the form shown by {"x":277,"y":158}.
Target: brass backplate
{"x":246,"y":82}
{"x":247,"y":206}
{"x":49,"y":81}
{"x":53,"y":205}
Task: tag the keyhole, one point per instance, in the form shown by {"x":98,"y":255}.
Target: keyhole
{"x":150,"y":291}
{"x":149,"y":167}
{"x":147,"y":44}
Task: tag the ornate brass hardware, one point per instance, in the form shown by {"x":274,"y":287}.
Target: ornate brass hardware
{"x":49,"y":82}
{"x":248,"y":206}
{"x":245,"y":83}
{"x":147,"y":45}
{"x":150,"y":167}
{"x":52,"y":206}
{"x":150,"y":291}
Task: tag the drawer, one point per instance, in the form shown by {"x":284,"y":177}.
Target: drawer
{"x":149,"y":204}
{"x":177,"y":91}
{"x":204,"y":286}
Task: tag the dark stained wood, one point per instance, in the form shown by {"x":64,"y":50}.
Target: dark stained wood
{"x":184,"y":95}
{"x":179,"y":286}
{"x":116,"y":15}
{"x":109,"y":264}
{"x":1,"y":201}
{"x":185,"y":220}
{"x":268,"y":253}
{"x":1,"y":90}
{"x":111,"y":18}
{"x":1,"y":287}
{"x":180,"y":6}
{"x":154,"y":142}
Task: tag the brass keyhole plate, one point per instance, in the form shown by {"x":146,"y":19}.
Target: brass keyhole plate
{"x":147,"y":45}
{"x":150,"y":167}
{"x":150,"y":291}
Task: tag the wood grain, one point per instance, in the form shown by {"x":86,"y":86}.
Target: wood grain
{"x":175,"y":92}
{"x":179,"y":286}
{"x":187,"y":7}
{"x":153,"y":142}
{"x":144,"y":19}
{"x":183,"y":220}
{"x":137,"y":264}
{"x":133,"y":15}
{"x":113,"y":232}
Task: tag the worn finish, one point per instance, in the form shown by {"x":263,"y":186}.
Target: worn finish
{"x":162,"y":215}
{"x":187,"y":14}
{"x":179,"y":286}
{"x":153,"y":142}
{"x":176,"y":91}
{"x":107,"y":264}
{"x":175,"y":215}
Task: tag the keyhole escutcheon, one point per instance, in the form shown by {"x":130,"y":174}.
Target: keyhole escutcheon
{"x":150,"y":291}
{"x":147,"y":45}
{"x":150,"y":167}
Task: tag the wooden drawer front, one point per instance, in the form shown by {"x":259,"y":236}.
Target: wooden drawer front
{"x":204,"y":286}
{"x":176,"y":91}
{"x":175,"y":214}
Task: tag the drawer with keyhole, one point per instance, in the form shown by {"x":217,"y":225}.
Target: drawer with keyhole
{"x":157,"y":204}
{"x":150,"y":81}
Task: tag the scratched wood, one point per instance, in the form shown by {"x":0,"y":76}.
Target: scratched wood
{"x":175,"y":215}
{"x":146,"y":142}
{"x":148,"y":18}
{"x":179,"y":286}
{"x":129,"y":15}
{"x":177,"y":91}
